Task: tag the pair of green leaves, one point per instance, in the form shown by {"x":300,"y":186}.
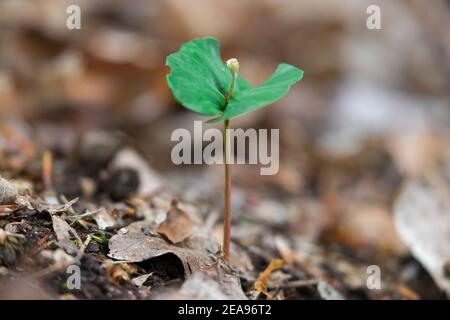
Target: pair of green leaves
{"x":200,"y":80}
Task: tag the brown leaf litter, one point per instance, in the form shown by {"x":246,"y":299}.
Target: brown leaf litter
{"x":139,"y":241}
{"x":178,"y":226}
{"x":422,"y":219}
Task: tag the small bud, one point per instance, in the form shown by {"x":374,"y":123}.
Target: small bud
{"x":233,"y":65}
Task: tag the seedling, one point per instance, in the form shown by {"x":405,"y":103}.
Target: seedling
{"x":202,"y":83}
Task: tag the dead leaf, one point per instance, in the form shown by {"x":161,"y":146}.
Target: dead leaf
{"x":217,"y":281}
{"x":203,"y":286}
{"x":422,"y":219}
{"x":139,"y":241}
{"x":227,"y":278}
{"x":139,"y":281}
{"x":65,"y":235}
{"x":178,"y":225}
{"x":104,"y":219}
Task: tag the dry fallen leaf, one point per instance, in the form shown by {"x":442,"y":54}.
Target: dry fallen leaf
{"x":227,"y":279}
{"x":139,"y":241}
{"x":178,"y":225}
{"x":204,"y":286}
{"x":140,"y":280}
{"x":65,"y":235}
{"x":422,"y":219}
{"x":104,"y":219}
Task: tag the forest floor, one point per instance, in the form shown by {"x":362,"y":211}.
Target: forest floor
{"x":86,"y":210}
{"x":92,"y":207}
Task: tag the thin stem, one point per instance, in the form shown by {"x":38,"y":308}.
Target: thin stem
{"x":227,"y":194}
{"x":232,"y":85}
{"x":233,"y":66}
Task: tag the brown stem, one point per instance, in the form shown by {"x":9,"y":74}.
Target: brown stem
{"x":227,"y":194}
{"x":233,"y":66}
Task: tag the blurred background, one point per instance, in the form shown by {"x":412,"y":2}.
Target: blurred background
{"x":371,"y":116}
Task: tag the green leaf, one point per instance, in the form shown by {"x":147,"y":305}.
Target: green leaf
{"x":275,"y":88}
{"x":200,"y":81}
